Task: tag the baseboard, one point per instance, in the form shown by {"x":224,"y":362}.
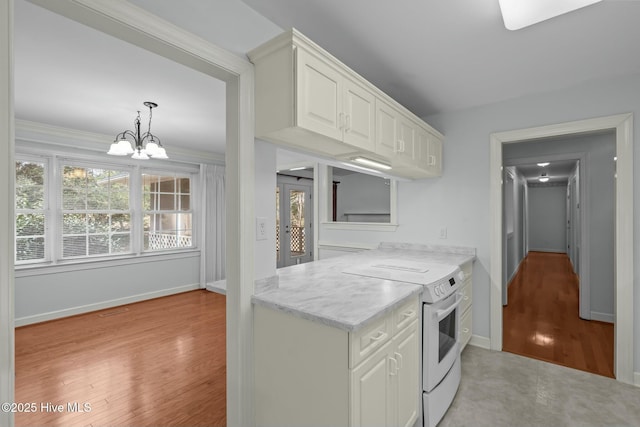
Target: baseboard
{"x":37,"y":318}
{"x":219,"y":287}
{"x":553,"y":251}
{"x":515,"y":271}
{"x":479,"y":341}
{"x":603,"y":317}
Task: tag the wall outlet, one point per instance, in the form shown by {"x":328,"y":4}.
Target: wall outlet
{"x":443,"y":232}
{"x":261,"y":228}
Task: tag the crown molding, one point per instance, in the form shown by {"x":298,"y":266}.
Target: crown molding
{"x":42,"y":133}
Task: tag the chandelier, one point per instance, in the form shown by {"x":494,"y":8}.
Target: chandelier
{"x":145,"y":145}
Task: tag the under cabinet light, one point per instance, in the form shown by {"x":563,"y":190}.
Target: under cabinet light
{"x":298,"y":168}
{"x":351,"y":166}
{"x":518,"y":14}
{"x":371,"y":163}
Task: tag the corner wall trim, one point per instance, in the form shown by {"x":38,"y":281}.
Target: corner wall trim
{"x":603,"y":317}
{"x":37,"y":318}
{"x":480,"y":341}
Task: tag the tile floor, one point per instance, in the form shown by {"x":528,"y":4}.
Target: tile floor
{"x":503,"y":389}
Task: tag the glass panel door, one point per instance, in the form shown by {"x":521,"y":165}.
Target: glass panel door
{"x":294,"y":232}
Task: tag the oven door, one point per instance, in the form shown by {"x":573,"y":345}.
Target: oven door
{"x":440,"y":339}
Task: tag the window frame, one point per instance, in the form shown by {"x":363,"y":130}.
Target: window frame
{"x":193,"y":185}
{"x":54,"y":163}
{"x":46,"y":210}
{"x":61,"y":211}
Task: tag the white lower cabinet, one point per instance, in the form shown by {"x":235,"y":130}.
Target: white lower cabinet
{"x":306,"y":373}
{"x":385,"y":388}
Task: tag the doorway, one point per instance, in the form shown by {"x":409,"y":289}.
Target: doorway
{"x":124,"y":21}
{"x":294,"y":218}
{"x":622,"y":126}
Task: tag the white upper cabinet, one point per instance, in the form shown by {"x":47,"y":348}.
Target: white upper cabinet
{"x":386,"y":129}
{"x":319,"y":96}
{"x":307,"y":99}
{"x":359,"y":116}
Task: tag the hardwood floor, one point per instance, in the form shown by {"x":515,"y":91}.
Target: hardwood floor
{"x":541,"y":319}
{"x":160,"y":362}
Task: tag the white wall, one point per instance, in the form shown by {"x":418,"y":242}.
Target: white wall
{"x":459,"y":199}
{"x":265,"y":194}
{"x":361,"y":193}
{"x":547,"y":218}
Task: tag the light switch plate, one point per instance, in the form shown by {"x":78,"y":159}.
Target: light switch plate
{"x":261,"y":228}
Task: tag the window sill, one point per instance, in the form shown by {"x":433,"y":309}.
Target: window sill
{"x":26,"y":270}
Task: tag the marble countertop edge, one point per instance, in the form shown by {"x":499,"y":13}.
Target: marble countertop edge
{"x":343,"y":324}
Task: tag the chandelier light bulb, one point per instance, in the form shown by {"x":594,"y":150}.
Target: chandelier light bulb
{"x":144,"y":145}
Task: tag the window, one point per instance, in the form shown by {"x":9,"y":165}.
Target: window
{"x":167,"y":213}
{"x":31,"y":211}
{"x":72,"y":209}
{"x":96,"y":217}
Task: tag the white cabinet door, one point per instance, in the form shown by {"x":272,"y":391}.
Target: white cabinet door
{"x":429,"y":152}
{"x":408,"y":376}
{"x":359,"y":116}
{"x":386,"y":129}
{"x":406,"y":140}
{"x":435,"y":155}
{"x":319,"y":96}
{"x":371,"y":391}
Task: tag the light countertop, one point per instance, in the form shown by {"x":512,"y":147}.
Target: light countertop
{"x":320,"y":292}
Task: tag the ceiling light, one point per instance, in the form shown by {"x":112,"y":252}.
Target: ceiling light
{"x":543,"y":178}
{"x":371,"y":163}
{"x":543,"y":164}
{"x":518,"y":14}
{"x":146,"y":145}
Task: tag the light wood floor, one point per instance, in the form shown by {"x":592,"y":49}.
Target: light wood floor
{"x":160,"y":362}
{"x":541,"y":319}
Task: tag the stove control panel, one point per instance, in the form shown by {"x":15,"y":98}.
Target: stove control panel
{"x":442,"y":288}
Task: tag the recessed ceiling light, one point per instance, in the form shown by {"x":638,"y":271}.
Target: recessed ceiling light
{"x":518,"y":14}
{"x":543,"y":164}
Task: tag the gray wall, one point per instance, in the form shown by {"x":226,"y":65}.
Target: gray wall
{"x":45,"y":293}
{"x":361,"y":193}
{"x":547,"y":218}
{"x":599,"y":170}
{"x":514,"y":205}
{"x":460,"y":198}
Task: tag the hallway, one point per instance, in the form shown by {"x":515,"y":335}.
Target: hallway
{"x":541,"y":320}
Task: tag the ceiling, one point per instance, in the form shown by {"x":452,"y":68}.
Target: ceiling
{"x":432,"y":56}
{"x":557,"y":171}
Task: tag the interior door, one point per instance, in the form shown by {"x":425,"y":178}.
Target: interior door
{"x":294,"y":233}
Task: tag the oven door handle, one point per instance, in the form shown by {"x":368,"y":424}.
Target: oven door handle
{"x":441,"y":314}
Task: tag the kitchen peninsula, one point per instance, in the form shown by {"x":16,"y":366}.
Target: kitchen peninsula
{"x":331,"y":346}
